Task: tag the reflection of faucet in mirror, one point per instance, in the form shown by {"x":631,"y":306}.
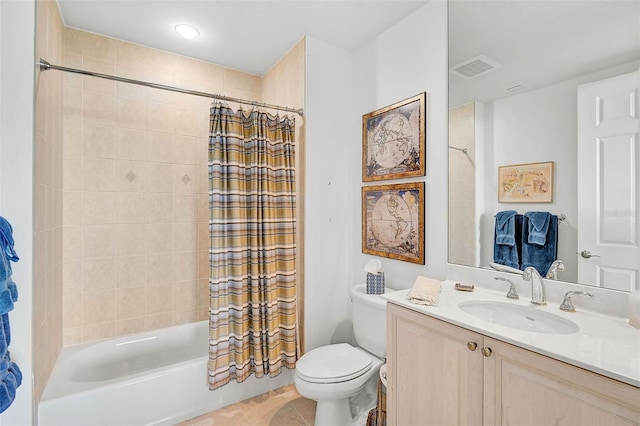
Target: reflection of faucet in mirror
{"x":538,"y":296}
{"x":556,"y":266}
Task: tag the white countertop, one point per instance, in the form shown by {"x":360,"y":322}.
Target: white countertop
{"x":605,"y":345}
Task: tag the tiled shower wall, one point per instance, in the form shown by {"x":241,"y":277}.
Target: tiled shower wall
{"x":47,"y":261}
{"x":135,"y":204}
{"x":462,"y":184}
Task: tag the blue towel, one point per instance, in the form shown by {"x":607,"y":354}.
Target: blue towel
{"x":10,"y":379}
{"x":538,"y":227}
{"x":506,"y":254}
{"x":6,"y":239}
{"x":540,"y":256}
{"x":505,"y":228}
{"x":8,"y":290}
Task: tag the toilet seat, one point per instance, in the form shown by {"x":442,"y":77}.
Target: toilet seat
{"x":333,"y":364}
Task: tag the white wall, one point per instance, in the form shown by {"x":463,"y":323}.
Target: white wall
{"x":407,"y":59}
{"x":329,"y":133}
{"x":17,"y":30}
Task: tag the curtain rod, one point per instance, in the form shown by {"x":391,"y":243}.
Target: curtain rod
{"x":465,"y":150}
{"x":45,"y":66}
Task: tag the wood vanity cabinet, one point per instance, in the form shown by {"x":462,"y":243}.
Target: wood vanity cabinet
{"x":441,"y":374}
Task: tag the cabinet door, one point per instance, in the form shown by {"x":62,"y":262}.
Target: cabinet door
{"x":525,"y":388}
{"x":433,"y":377}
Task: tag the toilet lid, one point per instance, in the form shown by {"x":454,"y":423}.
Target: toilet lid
{"x":333,"y":364}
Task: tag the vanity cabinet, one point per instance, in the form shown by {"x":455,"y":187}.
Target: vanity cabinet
{"x":442,"y":374}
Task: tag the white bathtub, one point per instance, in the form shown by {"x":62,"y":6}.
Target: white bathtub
{"x":157,"y":378}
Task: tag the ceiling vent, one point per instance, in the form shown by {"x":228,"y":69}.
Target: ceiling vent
{"x":474,"y":67}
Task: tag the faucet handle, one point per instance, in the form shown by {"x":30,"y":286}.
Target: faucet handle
{"x":512,"y":294}
{"x":567,"y":306}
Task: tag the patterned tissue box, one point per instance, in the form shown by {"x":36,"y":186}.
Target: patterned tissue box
{"x":375,"y":283}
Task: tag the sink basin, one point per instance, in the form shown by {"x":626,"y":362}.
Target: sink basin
{"x":520,"y":317}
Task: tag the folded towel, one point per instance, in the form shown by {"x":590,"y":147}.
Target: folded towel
{"x":540,"y":256}
{"x":425,"y":291}
{"x":505,"y":228}
{"x":6,"y":239}
{"x":10,"y":379}
{"x":538,"y":227}
{"x":505,"y":254}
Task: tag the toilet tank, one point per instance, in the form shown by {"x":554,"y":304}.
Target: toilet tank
{"x":369,"y":320}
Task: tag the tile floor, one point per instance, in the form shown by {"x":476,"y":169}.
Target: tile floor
{"x":280,"y":407}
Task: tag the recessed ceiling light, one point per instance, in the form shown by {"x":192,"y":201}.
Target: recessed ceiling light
{"x":187,"y":31}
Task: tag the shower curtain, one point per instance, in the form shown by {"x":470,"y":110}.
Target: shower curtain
{"x":252,"y":252}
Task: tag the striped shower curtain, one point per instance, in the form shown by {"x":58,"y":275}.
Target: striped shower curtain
{"x":252,"y":229}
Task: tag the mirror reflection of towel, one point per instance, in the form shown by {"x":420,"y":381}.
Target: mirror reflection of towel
{"x":508,"y":228}
{"x":538,"y":227}
{"x":540,"y":256}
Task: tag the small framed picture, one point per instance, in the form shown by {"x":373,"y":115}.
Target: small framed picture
{"x":393,"y":141}
{"x":526,"y":183}
{"x":393,"y":221}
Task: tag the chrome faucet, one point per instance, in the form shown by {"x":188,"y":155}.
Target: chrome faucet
{"x":538,"y":296}
{"x":512,"y":294}
{"x":556,"y":266}
{"x":567,"y":306}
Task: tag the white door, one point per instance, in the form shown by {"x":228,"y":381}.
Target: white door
{"x":608,"y":187}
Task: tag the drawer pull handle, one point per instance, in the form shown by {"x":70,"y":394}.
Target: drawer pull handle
{"x":486,"y":352}
{"x":472,"y":346}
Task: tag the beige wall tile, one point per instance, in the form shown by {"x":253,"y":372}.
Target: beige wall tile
{"x":132,"y":326}
{"x":129,"y":176}
{"x":160,"y":61}
{"x":153,"y":322}
{"x":159,"y":147}
{"x":185,"y":266}
{"x":185,"y":296}
{"x":98,"y":241}
{"x":185,"y":236}
{"x":72,"y":208}
{"x":98,"y":274}
{"x":98,"y":47}
{"x":72,"y":104}
{"x":185,"y":179}
{"x":185,"y":208}
{"x":130,"y":303}
{"x":73,"y":40}
{"x":100,"y":66}
{"x":186,"y":121}
{"x":72,"y":174}
{"x":98,"y":331}
{"x":72,"y":276}
{"x":160,"y":117}
{"x":159,"y":268}
{"x":130,"y":113}
{"x":130,"y":239}
{"x":159,"y":176}
{"x":185,"y":150}
{"x":98,"y":141}
{"x":99,"y":207}
{"x":184,"y":317}
{"x":130,"y":271}
{"x":159,"y":238}
{"x":98,"y":174}
{"x":73,"y":313}
{"x":72,"y":242}
{"x":130,"y":54}
{"x":98,"y":108}
{"x":131,"y":207}
{"x":159,"y":299}
{"x":98,"y":307}
{"x":158,"y":207}
{"x":130,"y":144}
{"x":72,"y":139}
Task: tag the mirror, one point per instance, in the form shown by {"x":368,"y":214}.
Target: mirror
{"x":515,"y":68}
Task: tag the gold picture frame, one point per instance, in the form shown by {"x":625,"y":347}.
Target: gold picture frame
{"x":393,"y":221}
{"x":393,"y":141}
{"x":526,"y":183}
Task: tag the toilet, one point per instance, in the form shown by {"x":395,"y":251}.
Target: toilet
{"x":334,"y":373}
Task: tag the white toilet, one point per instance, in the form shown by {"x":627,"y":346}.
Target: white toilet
{"x":332,"y":374}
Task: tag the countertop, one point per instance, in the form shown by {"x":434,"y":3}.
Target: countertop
{"x":605,"y":345}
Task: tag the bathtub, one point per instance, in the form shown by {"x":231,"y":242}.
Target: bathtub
{"x":154,"y":378}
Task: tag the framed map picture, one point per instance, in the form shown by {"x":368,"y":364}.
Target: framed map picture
{"x":393,"y":141}
{"x":526,"y":183}
{"x":393,"y":221}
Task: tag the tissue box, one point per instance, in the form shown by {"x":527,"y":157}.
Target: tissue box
{"x":375,"y":283}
